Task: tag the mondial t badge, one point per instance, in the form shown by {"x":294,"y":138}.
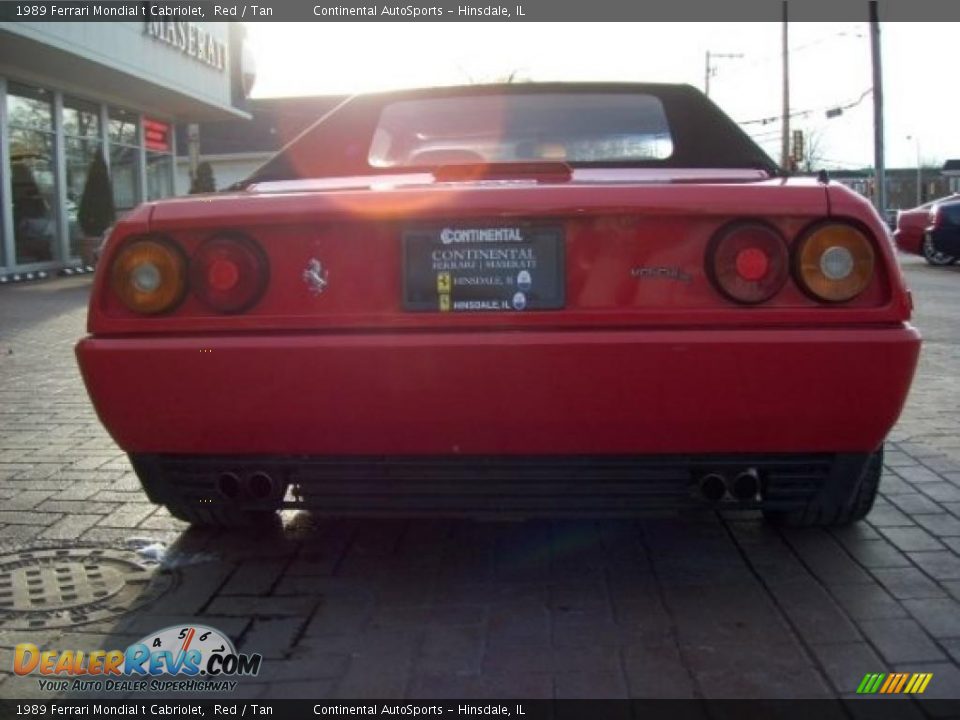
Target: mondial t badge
{"x":315,"y":276}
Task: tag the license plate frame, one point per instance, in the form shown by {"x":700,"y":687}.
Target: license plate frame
{"x":484,"y":267}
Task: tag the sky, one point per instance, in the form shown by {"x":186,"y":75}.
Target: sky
{"x":830,"y":67}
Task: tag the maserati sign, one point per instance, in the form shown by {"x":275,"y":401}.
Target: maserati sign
{"x":191,"y":39}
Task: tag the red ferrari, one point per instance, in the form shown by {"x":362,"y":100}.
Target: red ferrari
{"x":534,"y":299}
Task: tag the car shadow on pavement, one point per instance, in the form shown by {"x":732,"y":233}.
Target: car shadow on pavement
{"x":656,"y":607}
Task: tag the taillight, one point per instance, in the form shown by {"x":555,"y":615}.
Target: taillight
{"x":934,"y":218}
{"x":748,"y":262}
{"x":229,"y":272}
{"x":834,"y":262}
{"x":149,"y":275}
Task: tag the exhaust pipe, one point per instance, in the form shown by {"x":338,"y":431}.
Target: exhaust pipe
{"x":745,"y":485}
{"x":229,"y":485}
{"x":260,"y":486}
{"x":712,"y":487}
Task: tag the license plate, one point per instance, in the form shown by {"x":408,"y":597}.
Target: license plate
{"x":483,"y":268}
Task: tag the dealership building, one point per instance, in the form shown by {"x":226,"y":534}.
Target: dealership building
{"x":72,"y":90}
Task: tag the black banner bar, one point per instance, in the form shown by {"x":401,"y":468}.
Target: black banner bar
{"x":39,"y":709}
{"x":474,"y":10}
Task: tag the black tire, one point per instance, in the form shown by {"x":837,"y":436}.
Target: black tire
{"x":823,"y":514}
{"x":934,"y":256}
{"x":223,"y":516}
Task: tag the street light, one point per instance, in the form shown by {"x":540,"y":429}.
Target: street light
{"x":919,"y":169}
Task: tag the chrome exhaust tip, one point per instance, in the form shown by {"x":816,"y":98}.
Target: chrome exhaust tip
{"x":228,"y":485}
{"x":745,"y":485}
{"x":260,"y":485}
{"x":712,"y":487}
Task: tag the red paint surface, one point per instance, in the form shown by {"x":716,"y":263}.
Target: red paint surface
{"x":631,"y":365}
{"x":911,"y":226}
{"x":649,"y":391}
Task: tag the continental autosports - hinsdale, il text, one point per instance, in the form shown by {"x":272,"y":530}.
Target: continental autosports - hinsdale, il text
{"x":412,"y":709}
{"x":412,"y":11}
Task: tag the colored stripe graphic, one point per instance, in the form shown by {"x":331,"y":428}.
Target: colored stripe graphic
{"x":870,"y":683}
{"x":914,"y":683}
{"x":886,"y":686}
{"x":903,"y":681}
{"x":894,"y":683}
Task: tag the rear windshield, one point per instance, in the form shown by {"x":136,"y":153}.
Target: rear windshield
{"x":576,"y":128}
{"x":582,"y":124}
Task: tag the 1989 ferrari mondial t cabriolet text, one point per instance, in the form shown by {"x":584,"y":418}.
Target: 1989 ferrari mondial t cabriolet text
{"x":541,"y":299}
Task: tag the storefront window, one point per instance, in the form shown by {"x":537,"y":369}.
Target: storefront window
{"x":124,"y":158}
{"x":81,"y":127}
{"x":123,"y":127}
{"x":159,"y":176}
{"x":80,"y":118}
{"x":156,"y":135}
{"x":32,"y":174}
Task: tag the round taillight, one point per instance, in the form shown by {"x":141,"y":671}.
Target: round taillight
{"x":748,"y":262}
{"x":229,"y":272}
{"x":149,"y":275}
{"x":834,"y":262}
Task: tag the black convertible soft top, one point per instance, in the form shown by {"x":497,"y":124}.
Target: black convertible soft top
{"x":702,"y":135}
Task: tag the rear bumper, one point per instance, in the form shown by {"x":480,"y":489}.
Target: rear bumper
{"x":636,"y":392}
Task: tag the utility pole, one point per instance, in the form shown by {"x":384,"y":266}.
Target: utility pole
{"x":916,"y":140}
{"x":706,"y":77}
{"x":880,"y":181}
{"x":709,"y":71}
{"x":785,"y":139}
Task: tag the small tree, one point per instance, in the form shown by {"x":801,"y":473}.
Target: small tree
{"x":203,"y":181}
{"x":96,"y":212}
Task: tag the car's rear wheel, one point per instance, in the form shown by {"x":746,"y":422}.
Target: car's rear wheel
{"x":934,"y":256}
{"x":823,"y":513}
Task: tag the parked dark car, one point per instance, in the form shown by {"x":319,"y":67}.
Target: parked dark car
{"x":944,"y":230}
{"x":912,"y":232}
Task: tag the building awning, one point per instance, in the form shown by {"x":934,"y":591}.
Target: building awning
{"x":32,"y":61}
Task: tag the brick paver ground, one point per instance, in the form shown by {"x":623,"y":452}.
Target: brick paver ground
{"x":692,"y":606}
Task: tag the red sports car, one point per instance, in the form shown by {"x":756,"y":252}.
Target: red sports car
{"x":538,"y":299}
{"x":912,"y":234}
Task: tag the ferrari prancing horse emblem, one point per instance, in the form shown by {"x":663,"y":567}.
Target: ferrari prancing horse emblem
{"x":315,"y":276}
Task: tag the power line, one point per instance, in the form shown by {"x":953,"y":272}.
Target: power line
{"x":768,"y":58}
{"x":800,"y":113}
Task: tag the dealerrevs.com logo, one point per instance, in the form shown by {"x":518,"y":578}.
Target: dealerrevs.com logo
{"x":178,"y":658}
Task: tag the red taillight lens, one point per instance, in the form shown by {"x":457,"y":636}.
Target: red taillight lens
{"x":748,"y":262}
{"x":229,"y":272}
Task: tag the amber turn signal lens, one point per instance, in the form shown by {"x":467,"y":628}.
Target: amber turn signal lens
{"x":149,"y":276}
{"x":834,"y":262}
